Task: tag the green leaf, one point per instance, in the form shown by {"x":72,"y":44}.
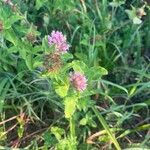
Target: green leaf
{"x":79,"y":66}
{"x":139,"y":128}
{"x":11,"y":20}
{"x":37,"y":49}
{"x":13,"y":49}
{"x":96,"y":72}
{"x":40,"y":3}
{"x":133,"y":15}
{"x":116,"y":3}
{"x":106,"y":127}
{"x":11,"y":36}
{"x":136,"y":20}
{"x":81,"y":56}
{"x":2,"y":84}
{"x":84,"y":103}
{"x":37,"y":62}
{"x":70,"y":106}
{"x":22,"y":52}
{"x":115,"y":85}
{"x":67,"y":56}
{"x":4,"y":87}
{"x":58,"y":132}
{"x":29,"y":62}
{"x":61,"y":88}
{"x":49,"y":139}
{"x":45,"y":46}
{"x":83,"y":121}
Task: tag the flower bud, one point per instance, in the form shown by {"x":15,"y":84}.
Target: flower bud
{"x":31,"y":37}
{"x":52,"y":62}
{"x":141,"y":12}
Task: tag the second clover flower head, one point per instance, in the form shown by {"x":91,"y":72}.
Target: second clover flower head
{"x":59,"y":41}
{"x":78,"y":81}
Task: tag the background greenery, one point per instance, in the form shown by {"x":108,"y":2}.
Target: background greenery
{"x":111,"y":34}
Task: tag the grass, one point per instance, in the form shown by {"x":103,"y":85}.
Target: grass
{"x":114,"y":110}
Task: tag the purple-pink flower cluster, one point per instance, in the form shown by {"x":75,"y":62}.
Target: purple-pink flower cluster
{"x":59,"y":41}
{"x":78,"y":81}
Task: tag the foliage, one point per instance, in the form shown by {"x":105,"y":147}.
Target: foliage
{"x":94,"y":95}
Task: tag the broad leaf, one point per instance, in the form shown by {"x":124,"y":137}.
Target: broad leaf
{"x":79,"y":66}
{"x":61,"y":88}
{"x":96,"y":72}
{"x":70,"y":106}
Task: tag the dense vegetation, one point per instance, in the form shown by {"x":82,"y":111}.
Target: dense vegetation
{"x":74,"y":74}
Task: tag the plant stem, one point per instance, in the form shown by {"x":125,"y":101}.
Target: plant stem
{"x":72,"y":128}
{"x":73,"y":145}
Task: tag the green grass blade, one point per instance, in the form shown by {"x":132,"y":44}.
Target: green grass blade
{"x":129,"y":131}
{"x":115,"y":85}
{"x":106,"y":127}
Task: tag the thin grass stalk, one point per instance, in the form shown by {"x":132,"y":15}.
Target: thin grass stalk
{"x":106,"y":127}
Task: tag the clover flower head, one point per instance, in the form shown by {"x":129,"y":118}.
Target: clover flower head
{"x":78,"y":81}
{"x":59,"y":41}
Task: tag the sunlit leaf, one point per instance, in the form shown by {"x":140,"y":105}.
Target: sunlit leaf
{"x":70,"y":106}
